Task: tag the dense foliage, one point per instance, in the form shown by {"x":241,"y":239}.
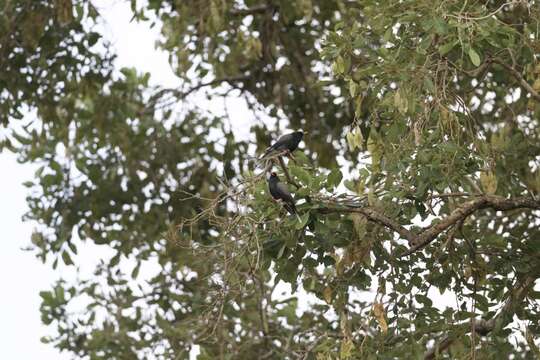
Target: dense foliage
{"x":419,"y":176}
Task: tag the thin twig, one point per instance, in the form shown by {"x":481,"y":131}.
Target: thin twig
{"x":524,"y":84}
{"x":178,"y":94}
{"x":471,"y":18}
{"x":257,"y":9}
{"x":284,"y":167}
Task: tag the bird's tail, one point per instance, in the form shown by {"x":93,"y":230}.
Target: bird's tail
{"x":261,"y":161}
{"x":291,"y":208}
{"x":258,"y":161}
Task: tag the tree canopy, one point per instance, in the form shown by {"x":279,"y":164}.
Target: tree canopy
{"x":419,"y":175}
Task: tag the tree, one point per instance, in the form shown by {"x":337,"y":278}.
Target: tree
{"x":420,"y":174}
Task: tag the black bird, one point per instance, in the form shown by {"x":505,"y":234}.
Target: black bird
{"x":279,"y":191}
{"x":288,"y":142}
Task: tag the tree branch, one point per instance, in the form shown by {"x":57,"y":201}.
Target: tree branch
{"x":524,"y":84}
{"x":284,"y":167}
{"x":432,"y":231}
{"x":374,"y":216}
{"x":484,"y":327}
{"x":179,"y":94}
{"x":465,"y":210}
{"x":257,"y":9}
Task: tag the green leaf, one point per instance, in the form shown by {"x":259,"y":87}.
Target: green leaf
{"x":310,"y":263}
{"x":339,"y":66}
{"x":440,"y":25}
{"x":72,"y":247}
{"x":424,"y":300}
{"x":67,"y":258}
{"x":446,"y":48}
{"x":303,"y":220}
{"x":428,"y":84}
{"x":23,"y":140}
{"x":488,"y":180}
{"x":353,"y":87}
{"x":350,"y":185}
{"x":334,"y":179}
{"x":93,"y":38}
{"x":47,"y":296}
{"x":281,"y":251}
{"x":115,"y":260}
{"x":60,"y":293}
{"x":135,"y":271}
{"x":358,"y":138}
{"x":329,"y":261}
{"x":301,"y":174}
{"x":475,"y":58}
{"x":400,"y":101}
{"x":301,"y":158}
{"x":351,"y":140}
{"x":56,"y":167}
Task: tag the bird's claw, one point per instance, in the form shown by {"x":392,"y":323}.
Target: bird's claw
{"x":290,"y":156}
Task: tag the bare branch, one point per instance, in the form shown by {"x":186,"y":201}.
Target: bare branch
{"x":465,"y":210}
{"x":284,"y":167}
{"x":449,"y":195}
{"x":374,"y":216}
{"x":178,"y":94}
{"x":432,"y":231}
{"x":257,"y":9}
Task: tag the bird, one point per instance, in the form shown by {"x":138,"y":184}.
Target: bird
{"x":279,"y":191}
{"x":288,"y":142}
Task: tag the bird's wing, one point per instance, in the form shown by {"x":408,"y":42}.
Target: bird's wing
{"x":278,"y":145}
{"x":284,"y":191}
{"x":285,"y":138}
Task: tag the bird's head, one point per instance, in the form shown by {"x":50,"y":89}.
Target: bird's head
{"x":273,"y":177}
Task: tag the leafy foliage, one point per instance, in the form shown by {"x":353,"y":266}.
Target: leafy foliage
{"x":420,"y":176}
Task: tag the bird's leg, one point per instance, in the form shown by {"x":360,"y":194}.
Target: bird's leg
{"x":270,"y":164}
{"x":289,"y":154}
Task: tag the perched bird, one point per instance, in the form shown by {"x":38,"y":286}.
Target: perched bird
{"x":279,"y":191}
{"x":288,"y":142}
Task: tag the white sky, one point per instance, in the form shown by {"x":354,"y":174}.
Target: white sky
{"x":22,"y":276}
